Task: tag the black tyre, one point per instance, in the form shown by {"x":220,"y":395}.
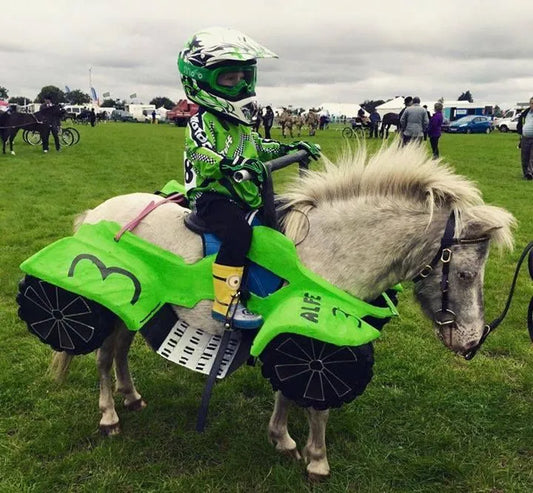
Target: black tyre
{"x":32,"y":137}
{"x":63,"y":320}
{"x":315,"y":373}
{"x":75,"y":134}
{"x":503,"y":128}
{"x":67,"y":137}
{"x":347,"y":133}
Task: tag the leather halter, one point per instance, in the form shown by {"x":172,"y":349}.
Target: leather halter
{"x":445,"y":316}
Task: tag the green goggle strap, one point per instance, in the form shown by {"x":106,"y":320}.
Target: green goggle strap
{"x":210,"y":76}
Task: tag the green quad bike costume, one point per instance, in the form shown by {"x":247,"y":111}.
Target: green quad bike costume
{"x":314,"y":344}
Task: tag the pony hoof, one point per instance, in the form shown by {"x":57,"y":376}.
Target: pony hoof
{"x":292,"y":454}
{"x":314,"y":477}
{"x":137,"y":405}
{"x":110,"y":430}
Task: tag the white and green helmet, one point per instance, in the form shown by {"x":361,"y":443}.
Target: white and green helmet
{"x":213,"y":52}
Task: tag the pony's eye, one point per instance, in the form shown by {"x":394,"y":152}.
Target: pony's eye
{"x":466,"y":275}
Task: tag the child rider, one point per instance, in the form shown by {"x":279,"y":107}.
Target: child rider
{"x":218,"y":71}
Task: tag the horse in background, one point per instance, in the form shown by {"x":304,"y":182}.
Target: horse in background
{"x":388,"y":120}
{"x":312,"y":120}
{"x":286,"y":122}
{"x":44,"y":121}
{"x":298,"y":121}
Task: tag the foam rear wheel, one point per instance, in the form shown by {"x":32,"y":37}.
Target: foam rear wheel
{"x":64,"y":320}
{"x":315,"y":373}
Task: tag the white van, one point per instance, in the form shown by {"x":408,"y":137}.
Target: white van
{"x":141,"y":112}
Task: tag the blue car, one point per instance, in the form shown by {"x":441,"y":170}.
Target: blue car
{"x":471,"y":124}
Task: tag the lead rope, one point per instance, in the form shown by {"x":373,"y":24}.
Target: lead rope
{"x":213,"y":372}
{"x":497,"y":321}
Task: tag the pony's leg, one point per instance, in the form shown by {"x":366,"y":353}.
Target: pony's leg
{"x":109,"y":424}
{"x":314,"y":451}
{"x":132,"y":399}
{"x":277,"y":428}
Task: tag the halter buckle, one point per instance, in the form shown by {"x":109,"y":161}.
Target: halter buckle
{"x":446,"y":255}
{"x":426,"y":271}
{"x":444,"y":317}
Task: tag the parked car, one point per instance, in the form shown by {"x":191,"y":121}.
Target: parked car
{"x":471,"y":124}
{"x":508,"y":124}
{"x":122,"y":116}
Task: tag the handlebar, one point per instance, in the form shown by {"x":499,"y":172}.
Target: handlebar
{"x":301,"y":157}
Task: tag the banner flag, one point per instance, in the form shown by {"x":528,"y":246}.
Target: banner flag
{"x":106,"y":94}
{"x":93,"y":93}
{"x":133,"y":96}
{"x":67,"y":89}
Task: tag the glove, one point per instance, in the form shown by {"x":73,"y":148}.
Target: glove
{"x":312,"y":149}
{"x":255,"y":167}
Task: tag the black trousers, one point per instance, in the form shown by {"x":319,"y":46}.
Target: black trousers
{"x":526,"y":148}
{"x":434,"y":141}
{"x":228,"y":222}
{"x":45,"y":136}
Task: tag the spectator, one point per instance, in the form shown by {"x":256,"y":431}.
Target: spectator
{"x":256,"y":119}
{"x":154,"y":117}
{"x":434,"y":129}
{"x":429,"y":116}
{"x":92,"y":117}
{"x":525,"y":130}
{"x":414,"y":122}
{"x":45,"y":104}
{"x":268,"y":121}
{"x":408,"y":101}
{"x":375,"y":119}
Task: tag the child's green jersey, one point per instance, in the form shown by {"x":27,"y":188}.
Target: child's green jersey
{"x":209,"y":140}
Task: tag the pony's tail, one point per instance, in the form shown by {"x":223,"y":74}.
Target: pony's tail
{"x":78,"y":220}
{"x":59,"y":365}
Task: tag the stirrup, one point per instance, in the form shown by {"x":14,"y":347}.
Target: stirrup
{"x":238,"y":316}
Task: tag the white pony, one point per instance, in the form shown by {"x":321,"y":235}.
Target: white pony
{"x":363,"y":224}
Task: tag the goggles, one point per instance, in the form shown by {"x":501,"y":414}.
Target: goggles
{"x":229,"y":80}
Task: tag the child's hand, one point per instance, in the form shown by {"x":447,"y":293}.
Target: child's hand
{"x":253,"y":166}
{"x":312,"y":149}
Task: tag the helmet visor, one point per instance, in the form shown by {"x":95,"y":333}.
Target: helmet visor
{"x":230,"y":80}
{"x":234,"y":80}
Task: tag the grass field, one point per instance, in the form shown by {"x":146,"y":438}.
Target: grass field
{"x":428,"y":422}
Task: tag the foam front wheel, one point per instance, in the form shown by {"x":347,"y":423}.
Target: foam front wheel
{"x":63,"y":320}
{"x":315,"y":373}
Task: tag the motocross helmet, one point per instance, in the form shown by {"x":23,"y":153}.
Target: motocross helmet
{"x":218,"y":71}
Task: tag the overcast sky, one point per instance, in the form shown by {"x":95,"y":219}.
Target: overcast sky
{"x":329,"y":50}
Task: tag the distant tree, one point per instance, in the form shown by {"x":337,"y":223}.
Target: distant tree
{"x":466,"y":96}
{"x":52,"y":93}
{"x":370,"y":104}
{"x":107,"y":103}
{"x":163,"y":101}
{"x":498,"y":111}
{"x":77,"y":97}
{"x":3,"y":92}
{"x":441,"y":100}
{"x":119,"y":104}
{"x":20,"y":100}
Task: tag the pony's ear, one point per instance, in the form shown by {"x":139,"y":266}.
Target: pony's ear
{"x":477,"y":229}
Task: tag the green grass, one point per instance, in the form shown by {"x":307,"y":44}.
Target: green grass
{"x":428,"y":422}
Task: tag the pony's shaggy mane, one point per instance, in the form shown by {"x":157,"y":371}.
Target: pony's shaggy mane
{"x":393,"y":174}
